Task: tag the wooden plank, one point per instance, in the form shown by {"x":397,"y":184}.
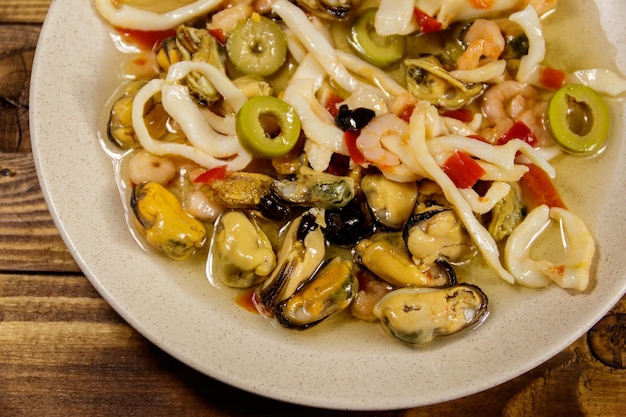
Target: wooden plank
{"x":62,"y":348}
{"x":29,"y":240}
{"x":17,"y":49}
{"x":23,"y":11}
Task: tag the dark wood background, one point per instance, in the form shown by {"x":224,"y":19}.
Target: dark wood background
{"x":65,"y":352}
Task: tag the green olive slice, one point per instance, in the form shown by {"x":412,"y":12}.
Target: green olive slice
{"x":267,"y":126}
{"x":382,"y":51}
{"x":579,"y":119}
{"x":257,"y":46}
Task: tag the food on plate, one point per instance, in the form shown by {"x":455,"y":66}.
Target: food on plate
{"x":356,"y":159}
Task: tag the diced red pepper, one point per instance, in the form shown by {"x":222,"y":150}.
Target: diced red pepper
{"x":350,"y":136}
{"x":519,"y":130}
{"x":331,"y":104}
{"x":538,"y":188}
{"x":218,"y":34}
{"x":145,"y":39}
{"x":462,"y":169}
{"x":552,"y":78}
{"x":426,"y":23}
{"x":211,"y":174}
{"x":464,"y":115}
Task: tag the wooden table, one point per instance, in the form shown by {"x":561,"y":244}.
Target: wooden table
{"x":65,"y":352}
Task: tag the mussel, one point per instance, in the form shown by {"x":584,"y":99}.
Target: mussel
{"x":120,"y":129}
{"x":316,"y":189}
{"x":386,"y":256}
{"x":418,"y":315}
{"x":302,"y":251}
{"x":329,"y":291}
{"x":507,"y":214}
{"x":434,"y":234}
{"x":241,"y":254}
{"x":193,"y":44}
{"x":427,"y":79}
{"x":160,"y":218}
{"x":391,"y":202}
{"x":328,"y":9}
{"x":239,"y":190}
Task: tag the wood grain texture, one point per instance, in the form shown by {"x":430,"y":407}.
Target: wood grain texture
{"x":65,"y":352}
{"x":21,"y":11}
{"x":29,"y":240}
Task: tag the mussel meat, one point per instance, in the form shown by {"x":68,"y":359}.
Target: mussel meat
{"x":301,"y":253}
{"x":329,"y":291}
{"x":120,"y":129}
{"x":434,"y":234}
{"x":427,"y":80}
{"x":328,"y":9}
{"x":391,"y":202}
{"x":507,"y":214}
{"x":193,"y":44}
{"x":316,"y":189}
{"x":417,"y":315}
{"x":239,"y":190}
{"x":386,"y":256}
{"x":241,"y":254}
{"x":160,"y":218}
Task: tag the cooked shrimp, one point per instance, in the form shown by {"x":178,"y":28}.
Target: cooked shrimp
{"x":505,"y":103}
{"x":370,"y":141}
{"x":369,"y":293}
{"x":198,"y":205}
{"x":146,"y":167}
{"x":226,"y":19}
{"x":486,"y":43}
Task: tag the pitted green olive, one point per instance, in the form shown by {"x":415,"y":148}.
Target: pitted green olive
{"x":579,"y":119}
{"x":267,"y":126}
{"x":382,"y":51}
{"x":257,"y":46}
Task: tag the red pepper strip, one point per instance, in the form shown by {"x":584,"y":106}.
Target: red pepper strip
{"x":427,"y":23}
{"x":145,"y":39}
{"x":462,"y":169}
{"x":538,"y":188}
{"x":350,"y":136}
{"x":552,"y":78}
{"x":211,"y":174}
{"x":218,"y":34}
{"x":464,"y":115}
{"x":519,"y":130}
{"x":331,"y":104}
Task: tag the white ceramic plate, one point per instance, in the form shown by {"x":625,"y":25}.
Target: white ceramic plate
{"x":348,"y":366}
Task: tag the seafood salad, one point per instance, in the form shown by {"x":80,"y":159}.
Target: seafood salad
{"x":354,"y":159}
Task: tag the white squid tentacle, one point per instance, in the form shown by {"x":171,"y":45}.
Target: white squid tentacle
{"x":484,"y":241}
{"x":178,"y":104}
{"x":315,"y":42}
{"x":157,"y":147}
{"x":573,"y":272}
{"x":129,"y":17}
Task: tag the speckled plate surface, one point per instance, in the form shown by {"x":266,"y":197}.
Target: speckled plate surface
{"x":341,"y":365}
